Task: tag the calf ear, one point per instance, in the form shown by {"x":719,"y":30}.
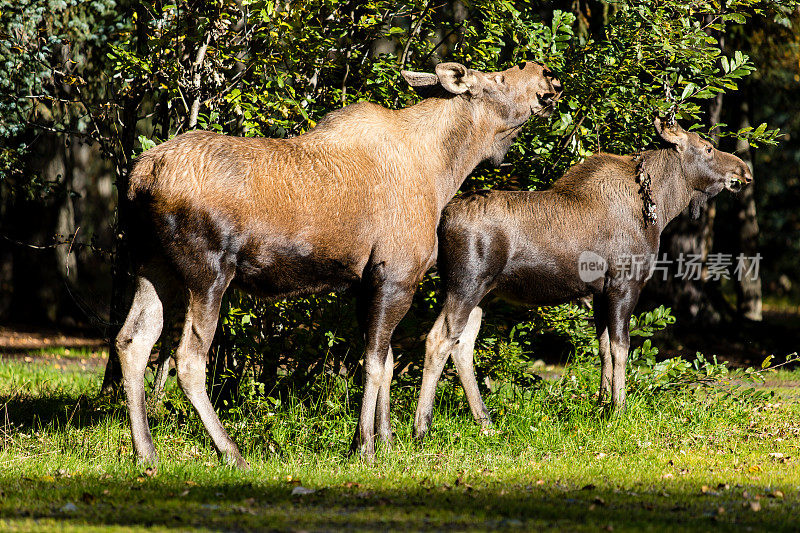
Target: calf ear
{"x":420,"y":79}
{"x":673,"y":133}
{"x":458,"y":79}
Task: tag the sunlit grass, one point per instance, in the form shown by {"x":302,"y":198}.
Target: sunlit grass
{"x":553,"y":461}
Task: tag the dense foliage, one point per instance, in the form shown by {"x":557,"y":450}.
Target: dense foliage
{"x":127,"y":75}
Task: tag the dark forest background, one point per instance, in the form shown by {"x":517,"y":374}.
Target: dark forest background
{"x":86,"y":86}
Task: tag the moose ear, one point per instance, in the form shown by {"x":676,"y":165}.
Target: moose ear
{"x":420,"y":79}
{"x":458,"y":79}
{"x":673,"y":134}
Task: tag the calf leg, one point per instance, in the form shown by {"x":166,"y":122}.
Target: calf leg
{"x":600,"y":308}
{"x":385,"y":303}
{"x":619,"y":317}
{"x":463,"y":358}
{"x":190,"y":361}
{"x":134,"y":342}
{"x":443,"y":337}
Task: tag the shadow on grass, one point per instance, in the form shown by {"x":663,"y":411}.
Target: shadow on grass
{"x":27,"y":414}
{"x":172,"y":503}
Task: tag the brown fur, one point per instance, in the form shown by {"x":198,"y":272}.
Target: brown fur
{"x":352,"y":203}
{"x":526,"y":247}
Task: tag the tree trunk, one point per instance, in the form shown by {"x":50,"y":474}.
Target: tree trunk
{"x":686,"y":238}
{"x":748,"y":279}
{"x":121,"y":269}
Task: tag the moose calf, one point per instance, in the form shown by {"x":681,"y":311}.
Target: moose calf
{"x":526,"y":247}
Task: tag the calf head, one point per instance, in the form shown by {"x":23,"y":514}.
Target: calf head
{"x":707,"y":170}
{"x":502,"y":101}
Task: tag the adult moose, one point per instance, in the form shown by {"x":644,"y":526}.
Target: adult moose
{"x":353,"y":203}
{"x":529,"y":247}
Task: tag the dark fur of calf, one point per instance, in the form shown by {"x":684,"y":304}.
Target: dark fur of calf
{"x":527,"y":246}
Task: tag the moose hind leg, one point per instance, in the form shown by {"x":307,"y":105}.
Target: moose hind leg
{"x":162,"y":364}
{"x":442,"y":339}
{"x":464,"y":360}
{"x":190,"y":361}
{"x":134,"y":342}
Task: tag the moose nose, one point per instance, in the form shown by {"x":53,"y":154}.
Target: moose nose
{"x":747,"y":175}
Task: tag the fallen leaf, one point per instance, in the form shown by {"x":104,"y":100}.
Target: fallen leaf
{"x":150,"y":471}
{"x":754,"y":468}
{"x":755,"y":506}
{"x":776,"y":494}
{"x":191,"y":483}
{"x":668,"y":475}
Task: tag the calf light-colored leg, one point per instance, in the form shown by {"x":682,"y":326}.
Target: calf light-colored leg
{"x":190,"y":361}
{"x":437,"y":349}
{"x":134,"y":342}
{"x":464,"y":360}
{"x":458,"y":322}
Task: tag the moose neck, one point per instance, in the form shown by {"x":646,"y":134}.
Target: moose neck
{"x":671,"y":191}
{"x":449,"y":133}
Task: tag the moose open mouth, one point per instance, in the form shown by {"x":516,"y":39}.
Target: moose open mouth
{"x":734,"y":184}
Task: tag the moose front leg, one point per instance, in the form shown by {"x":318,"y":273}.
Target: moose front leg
{"x":385,"y":303}
{"x":619,"y":317}
{"x":600,"y":308}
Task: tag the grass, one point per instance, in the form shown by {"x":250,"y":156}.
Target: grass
{"x":687,"y":460}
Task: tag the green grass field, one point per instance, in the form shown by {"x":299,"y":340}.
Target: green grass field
{"x":686,"y":460}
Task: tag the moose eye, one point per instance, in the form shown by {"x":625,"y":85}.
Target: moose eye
{"x":500,"y":79}
{"x":709,"y":149}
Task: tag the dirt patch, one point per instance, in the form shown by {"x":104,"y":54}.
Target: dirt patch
{"x":20,"y":339}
